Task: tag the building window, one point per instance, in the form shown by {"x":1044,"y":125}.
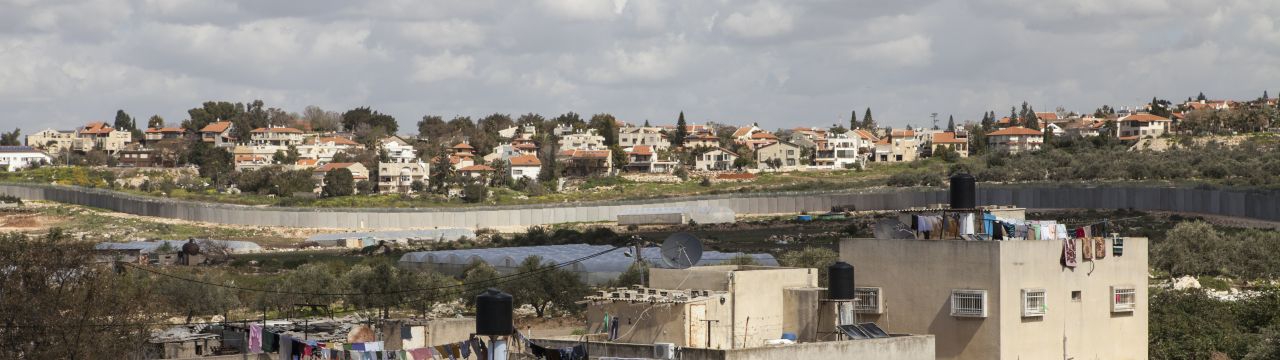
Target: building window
{"x":1075,"y":295}
{"x":1033,"y":303}
{"x":1123,"y":299}
{"x":867,"y":300}
{"x":969,"y":303}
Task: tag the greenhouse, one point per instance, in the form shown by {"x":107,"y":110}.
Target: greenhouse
{"x":147,"y":247}
{"x":594,"y":271}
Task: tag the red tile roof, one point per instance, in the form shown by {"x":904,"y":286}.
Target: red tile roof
{"x":216,"y":127}
{"x":337,"y":140}
{"x":463,"y":146}
{"x":947,"y":138}
{"x":742,"y":131}
{"x":306,"y":162}
{"x":525,"y":160}
{"x":591,"y":154}
{"x":1143,"y":117}
{"x":166,"y":130}
{"x":763,"y":135}
{"x":97,"y":128}
{"x":1047,"y":116}
{"x":332,"y":166}
{"x":1015,"y":130}
{"x":642,"y":150}
{"x":476,"y":168}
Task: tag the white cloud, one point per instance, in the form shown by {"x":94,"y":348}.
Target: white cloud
{"x":764,"y":19}
{"x":582,"y":9}
{"x":442,"y":67}
{"x":909,"y":51}
{"x":449,"y":33}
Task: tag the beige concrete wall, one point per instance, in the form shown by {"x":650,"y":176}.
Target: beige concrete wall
{"x":714,"y":278}
{"x":916,"y":347}
{"x":759,"y":311}
{"x":801,"y":312}
{"x":649,"y":323}
{"x":1085,"y":329}
{"x":917,"y":276}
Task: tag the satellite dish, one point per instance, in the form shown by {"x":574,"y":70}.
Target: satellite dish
{"x":891,"y":228}
{"x":681,"y":250}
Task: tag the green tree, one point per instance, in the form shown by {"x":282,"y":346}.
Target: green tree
{"x":54,"y":286}
{"x":1033,"y":121}
{"x":321,"y":120}
{"x":868,"y":122}
{"x":155,"y":122}
{"x":853,"y":120}
{"x":634,"y":275}
{"x":951,"y":123}
{"x":811,"y":257}
{"x":478,"y":275}
{"x":546,"y":287}
{"x":352,"y":119}
{"x":287,"y":156}
{"x":681,"y":132}
{"x":441,"y":173}
{"x":213,"y":111}
{"x":606,"y":126}
{"x":742,"y":259}
{"x":475,"y":193}
{"x":124,"y":121}
{"x":338,"y":182}
{"x":1191,"y":248}
{"x":13,"y":138}
{"x":371,"y":284}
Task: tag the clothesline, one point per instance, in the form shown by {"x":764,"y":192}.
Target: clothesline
{"x":265,"y":341}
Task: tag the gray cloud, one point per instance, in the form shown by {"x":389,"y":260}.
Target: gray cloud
{"x":778,"y":63}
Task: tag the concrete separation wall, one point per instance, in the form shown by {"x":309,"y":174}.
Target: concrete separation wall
{"x":1234,"y":203}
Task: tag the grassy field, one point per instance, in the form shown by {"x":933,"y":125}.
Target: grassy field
{"x":102,"y":225}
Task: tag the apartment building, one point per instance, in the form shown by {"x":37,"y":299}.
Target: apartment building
{"x":1142,"y":125}
{"x":780,"y":156}
{"x":276,"y":136}
{"x":585,"y":140}
{"x":649,"y":136}
{"x":399,"y":177}
{"x":717,"y":159}
{"x":104,"y":137}
{"x":1015,"y":139}
{"x":958,"y":142}
{"x":55,"y":141}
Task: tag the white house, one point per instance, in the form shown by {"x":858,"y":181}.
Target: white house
{"x":398,"y":177}
{"x":844,"y":150}
{"x":322,"y":149}
{"x":1015,"y":139}
{"x":717,"y":159}
{"x":276,"y":136}
{"x":1141,"y":125}
{"x":14,"y":158}
{"x":526,"y":166}
{"x":398,"y":150}
{"x":651,"y":136}
{"x":587,"y":140}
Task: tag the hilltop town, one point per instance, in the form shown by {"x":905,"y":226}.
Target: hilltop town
{"x":234,"y":152}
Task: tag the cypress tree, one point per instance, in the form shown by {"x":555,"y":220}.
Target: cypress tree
{"x":951,"y":123}
{"x":868,"y":122}
{"x":853,"y":120}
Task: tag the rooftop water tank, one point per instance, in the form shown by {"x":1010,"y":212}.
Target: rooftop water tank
{"x":840,"y":284}
{"x":493,"y":313}
{"x":964,"y":193}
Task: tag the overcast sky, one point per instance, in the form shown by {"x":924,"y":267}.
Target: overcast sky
{"x":778,"y":63}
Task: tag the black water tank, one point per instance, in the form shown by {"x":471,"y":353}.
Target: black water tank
{"x":493,"y":313}
{"x":840,"y":284}
{"x":964,"y":192}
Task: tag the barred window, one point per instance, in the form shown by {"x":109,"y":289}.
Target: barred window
{"x":1123,"y":299}
{"x":969,"y":303}
{"x":867,"y":300}
{"x":1033,"y":303}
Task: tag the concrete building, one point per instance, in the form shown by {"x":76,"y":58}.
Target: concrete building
{"x":1015,"y":139}
{"x":716,"y":159}
{"x":1006,"y":299}
{"x":780,"y":156}
{"x":899,"y":146}
{"x":358,"y":172}
{"x":694,"y":141}
{"x":586,"y":162}
{"x":153,"y":135}
{"x":1141,"y":125}
{"x":399,"y":150}
{"x":959,"y":142}
{"x":276,"y":136}
{"x":254,"y":157}
{"x":651,"y":136}
{"x":56,"y":141}
{"x":587,"y":140}
{"x":398,"y":177}
{"x":104,"y":137}
{"x":14,"y":158}
{"x":842,"y":151}
{"x":644,"y":158}
{"x":322,"y":149}
{"x":525,"y":166}
{"x":218,"y":134}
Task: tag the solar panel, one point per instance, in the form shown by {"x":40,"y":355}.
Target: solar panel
{"x":854,"y":332}
{"x":874,"y":330}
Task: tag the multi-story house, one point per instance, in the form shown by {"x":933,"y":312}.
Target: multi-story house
{"x":399,"y":150}
{"x":643,"y":158}
{"x":55,"y":141}
{"x":1060,"y":297}
{"x":104,"y":137}
{"x":780,"y":156}
{"x":701,"y":140}
{"x":957,"y":141}
{"x":1015,"y":139}
{"x":358,"y":173}
{"x":400,"y":176}
{"x":276,"y":136}
{"x":254,"y":157}
{"x":154,"y":135}
{"x":218,"y":134}
{"x":744,"y":133}
{"x":586,"y":162}
{"x":587,"y":140}
{"x":463,"y":156}
{"x":525,"y":166}
{"x":717,"y":159}
{"x":843,"y":151}
{"x":649,"y":136}
{"x":323,"y":148}
{"x":1142,"y":125}
{"x":899,"y":146}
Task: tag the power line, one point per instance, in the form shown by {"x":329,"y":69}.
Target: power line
{"x":286,"y":292}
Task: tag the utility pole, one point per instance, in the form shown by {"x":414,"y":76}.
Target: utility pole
{"x":935,"y":120}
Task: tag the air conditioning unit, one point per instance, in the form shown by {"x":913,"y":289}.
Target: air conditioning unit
{"x":666,"y":351}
